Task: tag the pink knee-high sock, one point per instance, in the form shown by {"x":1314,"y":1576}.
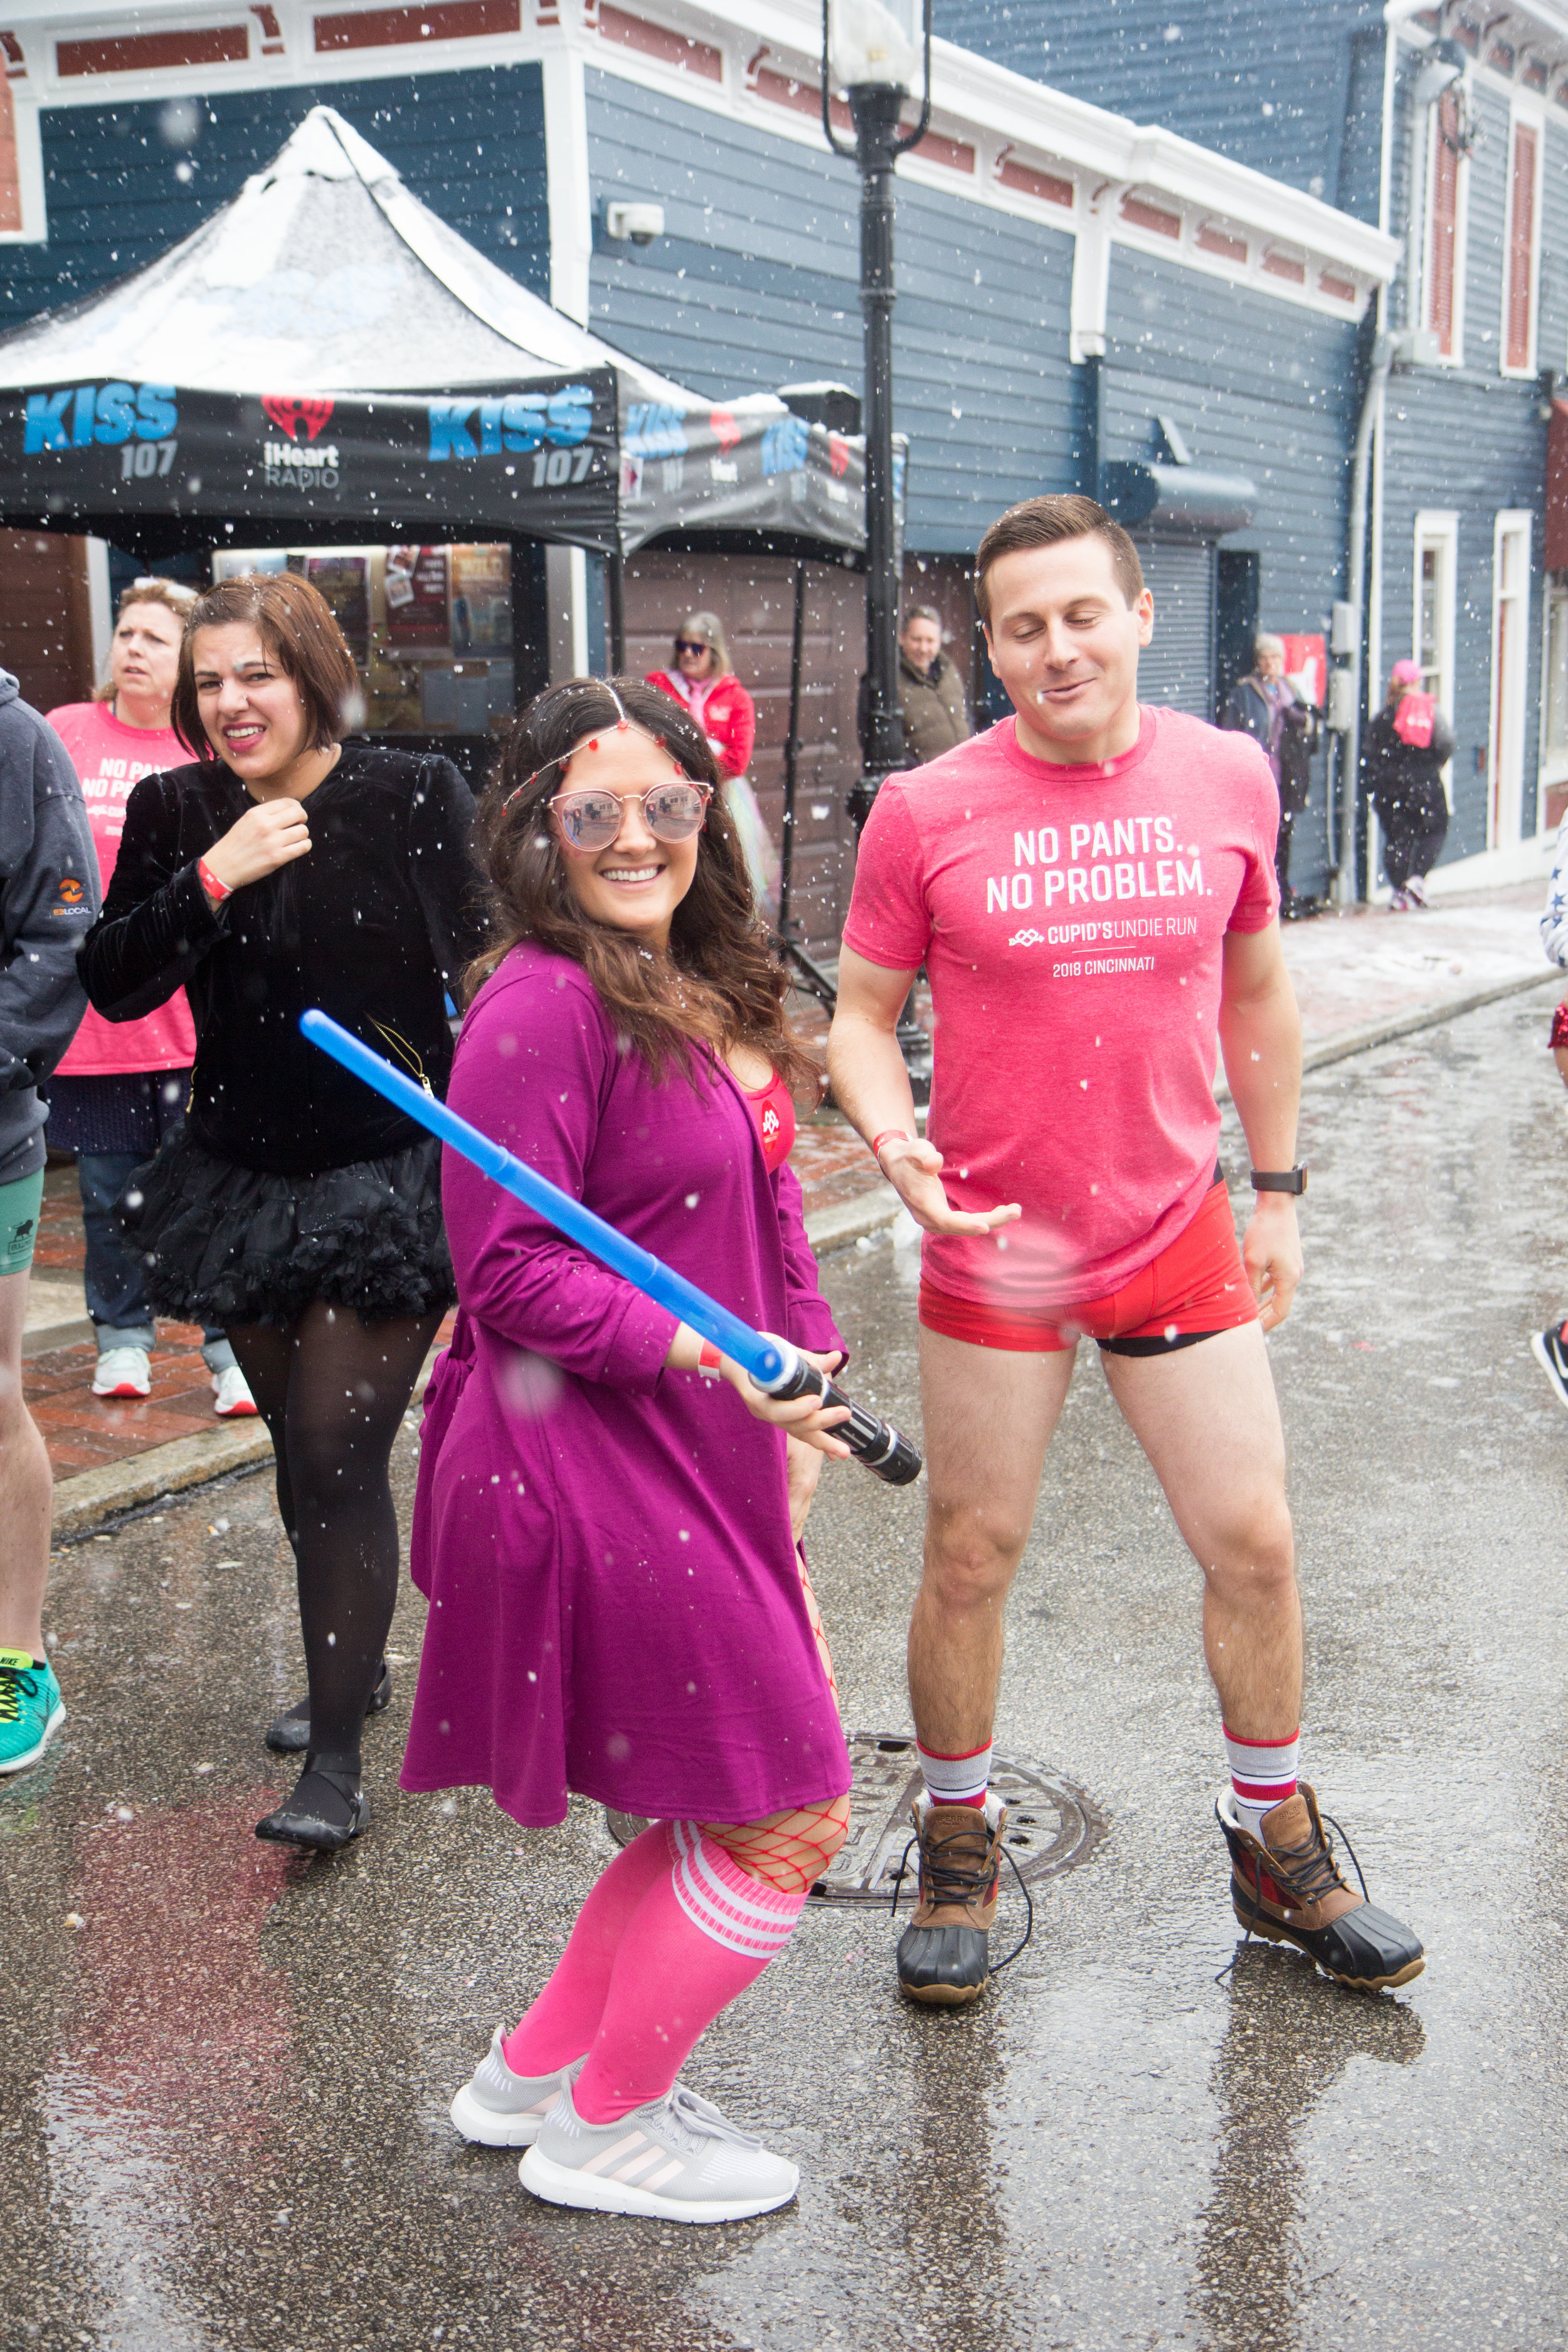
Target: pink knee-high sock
{"x":562,"y":2024}
{"x":702,"y":1933}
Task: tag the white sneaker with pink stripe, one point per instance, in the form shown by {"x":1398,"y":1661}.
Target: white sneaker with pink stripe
{"x":499,"y":2109}
{"x":676,"y":2160}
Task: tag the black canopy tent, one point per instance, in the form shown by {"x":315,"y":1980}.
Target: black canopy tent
{"x":326,"y":359}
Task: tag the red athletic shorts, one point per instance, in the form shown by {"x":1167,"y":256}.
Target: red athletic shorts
{"x":1193,"y":1289}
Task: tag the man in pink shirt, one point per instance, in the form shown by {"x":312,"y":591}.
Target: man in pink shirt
{"x":1090,"y":888}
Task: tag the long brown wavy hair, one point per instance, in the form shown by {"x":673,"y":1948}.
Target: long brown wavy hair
{"x":720,"y":985}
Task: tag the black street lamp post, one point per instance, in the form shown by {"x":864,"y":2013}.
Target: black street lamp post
{"x":866,"y":52}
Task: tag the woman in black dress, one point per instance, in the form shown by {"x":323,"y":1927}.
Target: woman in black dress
{"x":286,"y":867}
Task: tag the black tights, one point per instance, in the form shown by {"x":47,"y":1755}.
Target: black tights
{"x":333,"y":1390}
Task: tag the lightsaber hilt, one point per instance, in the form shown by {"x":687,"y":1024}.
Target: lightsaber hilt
{"x":874,"y":1441}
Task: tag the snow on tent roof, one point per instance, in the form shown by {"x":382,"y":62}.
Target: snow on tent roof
{"x":326,"y":274}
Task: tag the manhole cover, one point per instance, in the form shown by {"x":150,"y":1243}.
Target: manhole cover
{"x":1052,"y":1826}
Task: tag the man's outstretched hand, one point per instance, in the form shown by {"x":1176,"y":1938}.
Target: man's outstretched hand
{"x":914,"y":1170}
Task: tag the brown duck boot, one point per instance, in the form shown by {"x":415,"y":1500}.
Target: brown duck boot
{"x":945,"y":1952}
{"x":1286,"y":1886}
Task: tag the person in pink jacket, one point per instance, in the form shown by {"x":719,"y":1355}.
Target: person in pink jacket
{"x":123,"y":1084}
{"x":705,"y":685}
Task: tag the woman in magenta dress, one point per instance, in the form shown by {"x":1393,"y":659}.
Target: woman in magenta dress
{"x":602,"y":1524}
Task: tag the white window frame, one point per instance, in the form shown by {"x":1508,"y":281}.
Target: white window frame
{"x":1456,"y":358}
{"x":1505,"y":814}
{"x":1527,"y":118}
{"x":35,"y":228}
{"x":1551,"y":770}
{"x":1438,"y":529}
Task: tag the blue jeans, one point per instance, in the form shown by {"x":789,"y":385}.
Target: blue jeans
{"x":116,"y":1285}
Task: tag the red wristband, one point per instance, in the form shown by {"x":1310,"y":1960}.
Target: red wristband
{"x":889,"y":1134}
{"x":710,"y":1363}
{"x":217,"y":891}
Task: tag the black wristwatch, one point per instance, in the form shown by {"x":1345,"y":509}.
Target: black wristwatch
{"x":1279,"y":1179}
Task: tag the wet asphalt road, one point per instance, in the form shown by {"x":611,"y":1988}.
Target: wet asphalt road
{"x":224,"y":2074}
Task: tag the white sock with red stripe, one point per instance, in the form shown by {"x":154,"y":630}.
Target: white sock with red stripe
{"x":956,"y":1779}
{"x":1262,"y":1775}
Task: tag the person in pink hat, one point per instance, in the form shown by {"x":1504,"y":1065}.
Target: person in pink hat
{"x":1404,"y":751}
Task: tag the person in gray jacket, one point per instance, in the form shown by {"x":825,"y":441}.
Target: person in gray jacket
{"x":1264,"y":705}
{"x":49,"y":898}
{"x":931,"y":691}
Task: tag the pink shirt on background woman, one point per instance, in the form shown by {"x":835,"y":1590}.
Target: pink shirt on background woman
{"x":109,"y":758}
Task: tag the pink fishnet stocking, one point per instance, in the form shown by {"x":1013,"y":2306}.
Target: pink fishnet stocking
{"x":787,"y":1851}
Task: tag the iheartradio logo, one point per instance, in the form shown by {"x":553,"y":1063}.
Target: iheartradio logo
{"x":291,"y":416}
{"x":726,"y":432}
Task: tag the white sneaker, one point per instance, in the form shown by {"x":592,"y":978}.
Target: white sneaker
{"x":1415,"y":890}
{"x":233,"y":1399}
{"x":501,"y":2109}
{"x":676,"y":2160}
{"x":123,"y":1372}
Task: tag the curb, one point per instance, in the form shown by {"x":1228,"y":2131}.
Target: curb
{"x":1384,"y":1032}
{"x":1406,"y":1024}
{"x":847,"y":1221}
{"x":169,"y":1469}
{"x":44,"y":1338}
{"x":165,"y":1469}
{"x":187,"y":1461}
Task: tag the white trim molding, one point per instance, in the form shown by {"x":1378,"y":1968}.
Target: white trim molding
{"x":1437,"y":530}
{"x":570,"y":185}
{"x":1512,"y":527}
{"x":35,"y":223}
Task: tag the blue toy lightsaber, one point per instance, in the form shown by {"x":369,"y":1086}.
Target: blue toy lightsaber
{"x":775,"y":1366}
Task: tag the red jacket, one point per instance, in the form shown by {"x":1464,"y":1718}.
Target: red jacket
{"x":729,"y":717}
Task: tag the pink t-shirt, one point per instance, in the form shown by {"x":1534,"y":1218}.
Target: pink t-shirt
{"x":1071,"y":921}
{"x":109,"y":758}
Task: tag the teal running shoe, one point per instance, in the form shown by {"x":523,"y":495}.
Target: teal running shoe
{"x":31,"y":1709}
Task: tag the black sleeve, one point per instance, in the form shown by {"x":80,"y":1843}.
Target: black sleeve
{"x":158,"y":924}
{"x":447,"y":879}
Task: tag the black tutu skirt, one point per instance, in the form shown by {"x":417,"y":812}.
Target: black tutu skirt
{"x":228,"y":1244}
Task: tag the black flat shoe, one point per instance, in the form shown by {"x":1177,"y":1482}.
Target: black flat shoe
{"x":290,"y":1735}
{"x":326,"y":1808}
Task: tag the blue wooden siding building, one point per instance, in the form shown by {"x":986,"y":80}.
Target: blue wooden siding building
{"x":1074,"y":293}
{"x":1447,"y":127}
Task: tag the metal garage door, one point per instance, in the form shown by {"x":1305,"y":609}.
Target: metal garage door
{"x":1178,"y":667}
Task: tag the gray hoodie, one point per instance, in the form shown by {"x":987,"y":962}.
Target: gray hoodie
{"x":48,"y":899}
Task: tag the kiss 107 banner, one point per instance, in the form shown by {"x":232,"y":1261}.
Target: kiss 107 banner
{"x":540,"y":461}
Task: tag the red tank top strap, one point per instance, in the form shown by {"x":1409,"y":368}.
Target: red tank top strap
{"x":773,"y":1113}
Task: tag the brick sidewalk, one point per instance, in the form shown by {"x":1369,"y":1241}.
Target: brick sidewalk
{"x":83,"y":1432}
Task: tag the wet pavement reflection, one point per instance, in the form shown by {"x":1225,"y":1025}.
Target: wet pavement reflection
{"x":225,"y":2072}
